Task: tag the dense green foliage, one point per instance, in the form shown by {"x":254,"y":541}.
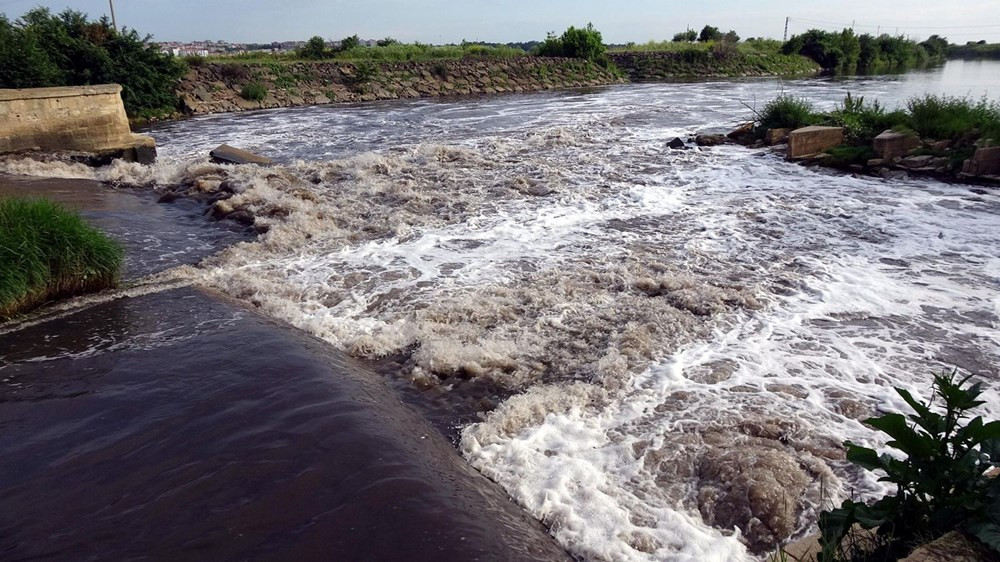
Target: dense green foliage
{"x":941,"y":485}
{"x":689,"y":36}
{"x":66,"y":49}
{"x":47,"y":252}
{"x":929,"y":116}
{"x":315,"y":48}
{"x":581,"y":43}
{"x":944,"y":117}
{"x":253,"y":91}
{"x":862,"y":121}
{"x":709,"y":33}
{"x":845,"y":52}
{"x":788,"y":112}
{"x":387,"y":50}
{"x":975,"y":50}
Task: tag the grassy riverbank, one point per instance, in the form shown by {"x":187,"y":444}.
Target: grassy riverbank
{"x":47,"y":252}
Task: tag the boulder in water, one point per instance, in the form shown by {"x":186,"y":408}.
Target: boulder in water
{"x":226,"y":154}
{"x":709,"y":140}
{"x":676,"y":144}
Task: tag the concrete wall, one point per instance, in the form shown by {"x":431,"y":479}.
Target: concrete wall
{"x":78,"y":118}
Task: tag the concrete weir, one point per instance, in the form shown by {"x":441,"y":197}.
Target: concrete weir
{"x":76,"y":118}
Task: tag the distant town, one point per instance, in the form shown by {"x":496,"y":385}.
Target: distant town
{"x":216,"y":48}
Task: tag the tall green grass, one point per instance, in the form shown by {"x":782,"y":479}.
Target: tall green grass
{"x":930,"y":116}
{"x":946,"y":117}
{"x":395,"y":52}
{"x":48,"y":252}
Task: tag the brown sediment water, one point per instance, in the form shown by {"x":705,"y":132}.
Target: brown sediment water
{"x":178,"y":426}
{"x":656,"y":352}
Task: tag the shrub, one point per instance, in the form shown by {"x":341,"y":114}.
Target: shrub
{"x":42,"y":49}
{"x":709,"y":33}
{"x":348,"y":43}
{"x":940,"y":485}
{"x":787,"y":112}
{"x":315,"y":48}
{"x":864,"y":121}
{"x":194,"y":61}
{"x":583,"y":43}
{"x":686,"y":36}
{"x":48,"y":252}
{"x":945,"y":117}
{"x":365,"y":71}
{"x":253,"y":91}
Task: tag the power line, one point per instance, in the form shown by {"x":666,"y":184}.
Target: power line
{"x":940,"y":27}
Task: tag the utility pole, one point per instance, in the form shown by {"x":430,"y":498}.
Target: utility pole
{"x":786,"y":28}
{"x":114,"y":23}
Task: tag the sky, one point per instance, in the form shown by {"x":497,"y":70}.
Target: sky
{"x":447,"y":21}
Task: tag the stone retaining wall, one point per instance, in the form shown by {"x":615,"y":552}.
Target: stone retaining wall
{"x":77,"y":118}
{"x":652,"y":66}
{"x":217,"y":87}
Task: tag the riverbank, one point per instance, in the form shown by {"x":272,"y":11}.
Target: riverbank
{"x":213,"y":87}
{"x":225,"y":87}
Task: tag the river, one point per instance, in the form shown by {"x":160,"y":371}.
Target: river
{"x":648,"y":349}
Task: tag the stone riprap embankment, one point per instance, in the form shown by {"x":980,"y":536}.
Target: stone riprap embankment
{"x":652,"y":66}
{"x":219,"y":87}
{"x":75,"y":118}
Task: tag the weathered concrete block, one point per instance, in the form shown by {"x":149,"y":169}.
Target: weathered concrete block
{"x":985,"y":162}
{"x":232,"y":155}
{"x":890,"y":144}
{"x":82,"y":118}
{"x":813,"y":140}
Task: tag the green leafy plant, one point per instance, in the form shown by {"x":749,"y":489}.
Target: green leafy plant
{"x":68,"y":49}
{"x":941,"y":485}
{"x":254,"y":91}
{"x":787,"y":111}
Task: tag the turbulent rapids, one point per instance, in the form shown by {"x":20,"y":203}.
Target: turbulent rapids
{"x":681,"y":339}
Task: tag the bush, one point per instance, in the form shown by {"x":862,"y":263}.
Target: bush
{"x":944,"y":117}
{"x":583,"y":43}
{"x":254,"y":91}
{"x":47,"y":252}
{"x":709,"y":33}
{"x":315,"y":48}
{"x":940,"y":485}
{"x":194,"y":61}
{"x":863,"y":121}
{"x":42,"y":49}
{"x":686,"y":36}
{"x":348,"y":43}
{"x":787,"y":112}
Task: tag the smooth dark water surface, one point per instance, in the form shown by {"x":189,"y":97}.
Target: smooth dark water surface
{"x":176,"y":426}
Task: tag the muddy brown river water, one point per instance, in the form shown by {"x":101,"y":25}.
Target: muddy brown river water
{"x":657,"y":354}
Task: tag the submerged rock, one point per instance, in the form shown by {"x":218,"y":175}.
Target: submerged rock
{"x":710,"y":140}
{"x":226,"y":154}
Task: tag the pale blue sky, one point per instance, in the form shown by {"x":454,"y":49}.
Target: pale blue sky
{"x":443,"y":21}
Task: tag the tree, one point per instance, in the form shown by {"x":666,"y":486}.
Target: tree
{"x":582,"y":43}
{"x":689,"y":36}
{"x":386,"y":42}
{"x":67,"y":49}
{"x":315,"y":48}
{"x":709,"y":33}
{"x":585,"y":43}
{"x":348,"y":43}
{"x":731,"y":37}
